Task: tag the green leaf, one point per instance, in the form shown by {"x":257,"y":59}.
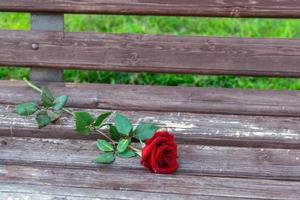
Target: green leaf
{"x":60,"y":102}
{"x":100,"y":119}
{"x":105,"y":158}
{"x":127,"y":154}
{"x":47,"y":98}
{"x":113,"y":133}
{"x":26,"y":109}
{"x":145,"y":131}
{"x":42,"y":119}
{"x":122,"y":145}
{"x":83,"y":121}
{"x":104,"y":146}
{"x":54,"y":116}
{"x":123,"y":124}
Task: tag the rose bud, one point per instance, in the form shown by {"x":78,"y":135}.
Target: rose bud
{"x":160,"y":153}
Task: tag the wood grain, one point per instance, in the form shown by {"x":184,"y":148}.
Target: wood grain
{"x":42,"y":168}
{"x":166,"y":99}
{"x":46,"y":192}
{"x":205,"y":129}
{"x":208,"y":8}
{"x":134,"y":180}
{"x":145,"y":53}
{"x":276,"y":164}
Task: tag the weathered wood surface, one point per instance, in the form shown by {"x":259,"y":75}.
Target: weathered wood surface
{"x":277,"y":164}
{"x":42,"y":168}
{"x":232,"y":130}
{"x":141,"y":181}
{"x":209,"y":8}
{"x":141,"y":53}
{"x":158,"y":98}
{"x":46,"y":192}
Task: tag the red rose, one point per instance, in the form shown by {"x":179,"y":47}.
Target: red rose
{"x":160,"y":153}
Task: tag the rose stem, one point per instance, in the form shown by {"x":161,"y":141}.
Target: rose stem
{"x":36,"y":88}
{"x":137,"y":151}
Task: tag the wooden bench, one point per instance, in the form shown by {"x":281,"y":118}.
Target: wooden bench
{"x":233,"y":144}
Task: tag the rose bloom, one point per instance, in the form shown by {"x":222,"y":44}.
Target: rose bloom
{"x":160,"y":153}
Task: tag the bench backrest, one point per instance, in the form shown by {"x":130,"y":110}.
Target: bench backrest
{"x":141,"y":53}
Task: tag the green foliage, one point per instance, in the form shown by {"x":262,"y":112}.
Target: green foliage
{"x":47,"y":98}
{"x":122,"y":145}
{"x":42,"y":119}
{"x":120,"y":133}
{"x":128,"y":153}
{"x":123,"y":124}
{"x":104,"y":146}
{"x":105,"y":158}
{"x":26,"y":109}
{"x":49,"y":111}
{"x":100,"y":119}
{"x":145,"y":131}
{"x":83,"y":121}
{"x":60,"y":102}
{"x":113,"y":133}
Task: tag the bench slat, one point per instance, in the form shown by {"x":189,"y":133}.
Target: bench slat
{"x":163,"y":98}
{"x":164,"y":54}
{"x":230,"y":130}
{"x":141,"y":181}
{"x":209,"y":8}
{"x":46,"y":192}
{"x":278,"y":164}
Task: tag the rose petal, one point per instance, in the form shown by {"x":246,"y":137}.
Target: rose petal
{"x":160,"y":153}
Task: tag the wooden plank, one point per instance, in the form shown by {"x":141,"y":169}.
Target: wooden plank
{"x":208,"y":8}
{"x":140,"y":53}
{"x":45,"y":192}
{"x":277,"y":164}
{"x":229,"y":130}
{"x":167,"y":99}
{"x":123,"y":180}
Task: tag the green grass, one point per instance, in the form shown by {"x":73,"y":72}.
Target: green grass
{"x":256,"y":28}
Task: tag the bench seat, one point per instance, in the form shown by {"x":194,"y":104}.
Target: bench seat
{"x":123,"y":183}
{"x":57,"y":182}
{"x":222,"y":156}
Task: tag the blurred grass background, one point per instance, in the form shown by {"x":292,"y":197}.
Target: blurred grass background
{"x":256,"y":28}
